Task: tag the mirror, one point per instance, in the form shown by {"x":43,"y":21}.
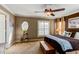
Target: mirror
{"x":25,"y":26}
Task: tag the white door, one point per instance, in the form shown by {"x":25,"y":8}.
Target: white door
{"x":2,"y":28}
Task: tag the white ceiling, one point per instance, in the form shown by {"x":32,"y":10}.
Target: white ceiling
{"x":29,"y":9}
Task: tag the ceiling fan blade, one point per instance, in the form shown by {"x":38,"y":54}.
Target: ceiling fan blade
{"x":58,"y":10}
{"x":52,"y":14}
{"x":46,"y":10}
{"x":38,"y":11}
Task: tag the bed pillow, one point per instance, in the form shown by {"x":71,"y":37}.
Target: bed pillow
{"x":67,"y":34}
{"x":76,"y":35}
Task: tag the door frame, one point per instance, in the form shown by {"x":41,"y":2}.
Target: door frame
{"x":6,"y":18}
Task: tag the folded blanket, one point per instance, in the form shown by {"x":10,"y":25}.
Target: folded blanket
{"x":65,"y":45}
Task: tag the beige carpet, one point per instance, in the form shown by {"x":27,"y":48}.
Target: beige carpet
{"x":28,"y":48}
{"x":25,"y":48}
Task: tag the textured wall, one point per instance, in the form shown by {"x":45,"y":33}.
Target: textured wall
{"x":33,"y":26}
{"x":32,"y":30}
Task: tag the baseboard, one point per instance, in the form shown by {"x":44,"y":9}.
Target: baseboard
{"x":31,"y":40}
{"x":9,"y":45}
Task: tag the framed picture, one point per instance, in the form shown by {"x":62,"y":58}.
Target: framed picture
{"x":73,"y":23}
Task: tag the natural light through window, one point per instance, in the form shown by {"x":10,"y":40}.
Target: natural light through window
{"x":43,"y":28}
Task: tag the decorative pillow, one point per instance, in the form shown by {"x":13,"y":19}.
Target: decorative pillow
{"x":76,"y":35}
{"x":67,"y":34}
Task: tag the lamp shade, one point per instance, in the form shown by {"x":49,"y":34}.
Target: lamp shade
{"x":25,"y":26}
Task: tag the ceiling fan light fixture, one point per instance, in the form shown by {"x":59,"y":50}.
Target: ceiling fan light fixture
{"x":47,"y":13}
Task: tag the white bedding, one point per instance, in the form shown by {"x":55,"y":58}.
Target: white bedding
{"x":77,"y":35}
{"x":73,"y":52}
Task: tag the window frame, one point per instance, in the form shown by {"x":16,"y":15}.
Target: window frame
{"x":44,"y":27}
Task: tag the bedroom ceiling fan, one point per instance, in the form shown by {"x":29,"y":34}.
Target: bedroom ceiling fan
{"x":50,"y":11}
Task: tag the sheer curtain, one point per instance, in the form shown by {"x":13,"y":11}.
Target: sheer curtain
{"x":43,"y":28}
{"x":59,"y":26}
